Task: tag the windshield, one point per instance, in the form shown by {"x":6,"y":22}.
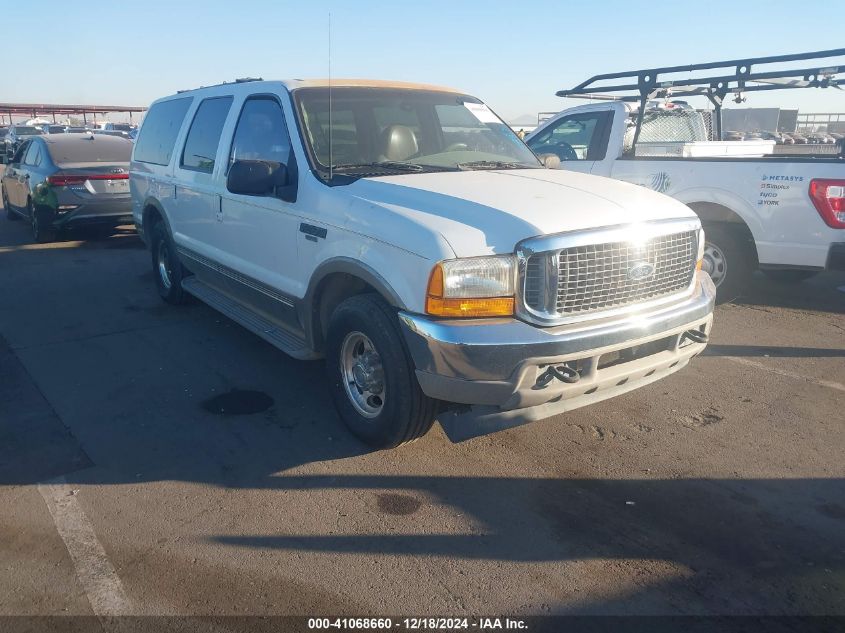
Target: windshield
{"x":27,"y":130}
{"x":381,"y":130}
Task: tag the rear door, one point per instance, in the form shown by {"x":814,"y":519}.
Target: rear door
{"x":25,"y":173}
{"x":578,"y":139}
{"x":198,"y":178}
{"x":152,"y":168}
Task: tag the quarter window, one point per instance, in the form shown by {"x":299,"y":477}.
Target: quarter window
{"x":200,"y":150}
{"x":159,"y":131}
{"x":261,"y":133}
{"x":32,"y":155}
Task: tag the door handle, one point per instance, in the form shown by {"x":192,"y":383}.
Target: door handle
{"x":313,"y":231}
{"x":219,"y":208}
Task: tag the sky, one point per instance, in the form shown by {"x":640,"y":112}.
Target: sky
{"x":513,"y":55}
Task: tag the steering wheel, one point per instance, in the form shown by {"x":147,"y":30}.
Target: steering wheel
{"x":564,"y":151}
{"x":456,"y":147}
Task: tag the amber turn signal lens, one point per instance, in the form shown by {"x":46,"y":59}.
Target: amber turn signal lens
{"x":698,"y":264}
{"x":438,"y":305}
{"x":496,"y":306}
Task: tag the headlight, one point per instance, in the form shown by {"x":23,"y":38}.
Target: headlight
{"x":700,"y":258}
{"x":472,"y":287}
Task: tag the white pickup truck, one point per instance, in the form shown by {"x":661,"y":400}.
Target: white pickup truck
{"x":406,"y":234}
{"x":783,"y":214}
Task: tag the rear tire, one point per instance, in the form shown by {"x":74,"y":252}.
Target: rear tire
{"x":790,"y":276}
{"x":167,"y":268}
{"x":41,"y":221}
{"x":728,"y":259}
{"x":371,"y":375}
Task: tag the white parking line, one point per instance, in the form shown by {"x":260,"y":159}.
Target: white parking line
{"x":96,"y":574}
{"x":787,"y":374}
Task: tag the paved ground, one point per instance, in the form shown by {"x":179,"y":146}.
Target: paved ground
{"x":718,"y":490}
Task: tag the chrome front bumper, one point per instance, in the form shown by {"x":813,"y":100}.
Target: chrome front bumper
{"x":497,"y":362}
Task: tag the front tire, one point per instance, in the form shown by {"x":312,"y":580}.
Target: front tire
{"x":167,"y":268}
{"x":728,"y":259}
{"x":371,"y":375}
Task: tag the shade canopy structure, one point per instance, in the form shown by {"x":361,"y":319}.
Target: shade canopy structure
{"x":33,"y":110}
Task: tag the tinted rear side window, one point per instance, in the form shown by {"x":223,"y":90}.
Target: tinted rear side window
{"x":84,"y":149}
{"x":204,"y":136}
{"x":158,"y":133}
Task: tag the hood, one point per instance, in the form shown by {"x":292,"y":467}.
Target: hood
{"x":485,"y":212}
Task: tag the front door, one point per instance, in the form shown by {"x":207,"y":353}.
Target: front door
{"x":256,"y":235}
{"x":579,"y":140}
{"x":13,"y":178}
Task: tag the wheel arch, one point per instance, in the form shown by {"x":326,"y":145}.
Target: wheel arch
{"x":334,"y":281}
{"x":153,"y":212}
{"x":713,"y":212}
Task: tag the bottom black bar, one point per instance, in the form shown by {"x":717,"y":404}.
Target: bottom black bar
{"x":428,"y":624}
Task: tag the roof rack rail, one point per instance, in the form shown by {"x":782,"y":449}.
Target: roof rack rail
{"x":239,"y":80}
{"x":731,"y":76}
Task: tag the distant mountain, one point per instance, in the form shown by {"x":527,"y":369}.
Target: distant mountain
{"x":525,"y":119}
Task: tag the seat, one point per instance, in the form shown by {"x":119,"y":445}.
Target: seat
{"x":398,"y":142}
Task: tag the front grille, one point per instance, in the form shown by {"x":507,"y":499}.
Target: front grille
{"x":599,"y":277}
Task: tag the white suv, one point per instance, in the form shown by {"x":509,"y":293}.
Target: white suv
{"x":406,"y":234}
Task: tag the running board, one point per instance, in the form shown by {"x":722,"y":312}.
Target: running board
{"x":277,"y":336}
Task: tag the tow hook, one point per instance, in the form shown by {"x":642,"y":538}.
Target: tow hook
{"x":564,"y":373}
{"x":696,"y":336}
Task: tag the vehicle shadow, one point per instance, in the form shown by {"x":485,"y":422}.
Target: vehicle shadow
{"x":773,"y":351}
{"x":724,"y":538}
{"x":822,"y":293}
{"x":16,"y":235}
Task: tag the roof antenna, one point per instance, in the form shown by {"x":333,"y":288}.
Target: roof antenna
{"x":331,"y":139}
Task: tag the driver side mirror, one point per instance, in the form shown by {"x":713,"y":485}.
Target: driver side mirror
{"x":256,"y":177}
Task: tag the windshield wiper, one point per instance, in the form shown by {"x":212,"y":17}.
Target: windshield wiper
{"x":387,"y":164}
{"x":494,"y":164}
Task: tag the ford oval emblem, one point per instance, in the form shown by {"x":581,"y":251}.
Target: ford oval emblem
{"x":640,"y":271}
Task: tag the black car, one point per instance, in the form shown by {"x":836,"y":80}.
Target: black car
{"x":16,"y":135}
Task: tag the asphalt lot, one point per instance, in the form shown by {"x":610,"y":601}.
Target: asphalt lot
{"x":719,"y":490}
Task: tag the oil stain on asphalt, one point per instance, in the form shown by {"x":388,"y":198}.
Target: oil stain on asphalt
{"x":398,"y":504}
{"x":238,"y":402}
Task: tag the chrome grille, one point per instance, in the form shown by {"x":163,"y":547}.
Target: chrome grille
{"x":598,"y":277}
